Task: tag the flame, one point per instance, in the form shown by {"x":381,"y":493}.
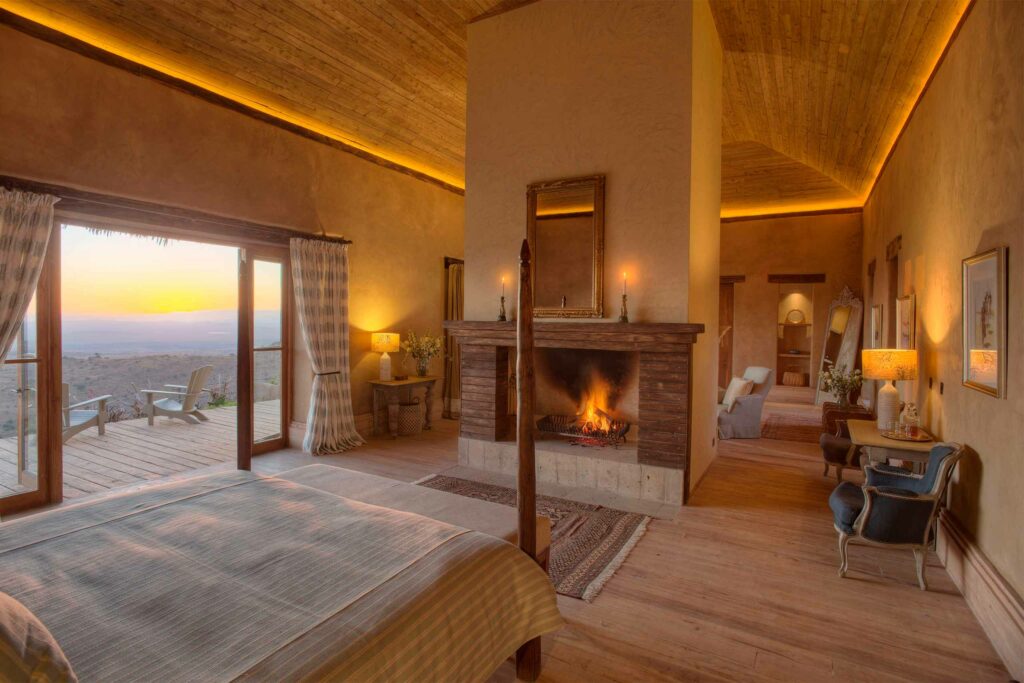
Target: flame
{"x":593,"y":414}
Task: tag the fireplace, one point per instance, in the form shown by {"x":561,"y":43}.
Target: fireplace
{"x":621,"y":388}
{"x":587,"y":396}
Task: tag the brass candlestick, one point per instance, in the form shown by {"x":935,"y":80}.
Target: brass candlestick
{"x":501,"y":311}
{"x":623,"y":313}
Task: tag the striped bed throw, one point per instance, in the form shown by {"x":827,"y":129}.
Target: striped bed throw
{"x":239,"y":577}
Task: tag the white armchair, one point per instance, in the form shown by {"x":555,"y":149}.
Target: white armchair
{"x":743,"y":419}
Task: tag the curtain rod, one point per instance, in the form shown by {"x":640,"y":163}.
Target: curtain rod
{"x":122,"y":208}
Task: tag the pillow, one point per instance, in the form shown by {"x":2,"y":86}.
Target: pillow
{"x":28,"y":652}
{"x":737,"y":387}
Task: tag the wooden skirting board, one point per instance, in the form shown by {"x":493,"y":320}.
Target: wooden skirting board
{"x":998,"y":608}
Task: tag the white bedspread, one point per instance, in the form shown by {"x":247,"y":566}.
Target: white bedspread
{"x":235,"y":576}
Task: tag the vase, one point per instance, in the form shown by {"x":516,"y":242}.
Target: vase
{"x":843,"y":399}
{"x":422,"y":365}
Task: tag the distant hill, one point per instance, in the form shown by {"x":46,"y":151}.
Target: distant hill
{"x":116,"y":355}
{"x":200,"y":332}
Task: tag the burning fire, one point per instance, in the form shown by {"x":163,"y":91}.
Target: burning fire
{"x":593,"y":416}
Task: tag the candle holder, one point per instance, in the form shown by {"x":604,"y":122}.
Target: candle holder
{"x":501,"y":311}
{"x":623,"y":312}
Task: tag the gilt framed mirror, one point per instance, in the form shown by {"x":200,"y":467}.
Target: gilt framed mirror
{"x":565,"y":229}
{"x":841,"y":344}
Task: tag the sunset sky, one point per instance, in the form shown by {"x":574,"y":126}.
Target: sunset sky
{"x":125,"y":276}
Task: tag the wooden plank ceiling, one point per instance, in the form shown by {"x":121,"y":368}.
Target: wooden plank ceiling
{"x":815,"y":91}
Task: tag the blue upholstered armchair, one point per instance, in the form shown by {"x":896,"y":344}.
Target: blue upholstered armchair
{"x":894,"y":507}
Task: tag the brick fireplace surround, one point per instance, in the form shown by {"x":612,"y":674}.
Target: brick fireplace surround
{"x":664,"y":351}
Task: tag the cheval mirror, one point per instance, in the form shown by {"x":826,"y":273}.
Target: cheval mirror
{"x":842,"y":337}
{"x":565,"y":229}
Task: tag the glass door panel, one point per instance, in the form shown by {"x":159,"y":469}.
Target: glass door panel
{"x":268,"y":376}
{"x":19,"y":413}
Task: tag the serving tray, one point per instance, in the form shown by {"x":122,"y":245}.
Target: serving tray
{"x":921,"y":437}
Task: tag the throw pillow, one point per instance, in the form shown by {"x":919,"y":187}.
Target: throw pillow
{"x":28,"y":652}
{"x":737,"y":387}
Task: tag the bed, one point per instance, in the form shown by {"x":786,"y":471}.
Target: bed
{"x":234,"y":576}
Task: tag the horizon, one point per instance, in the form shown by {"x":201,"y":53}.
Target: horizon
{"x":125,"y":276}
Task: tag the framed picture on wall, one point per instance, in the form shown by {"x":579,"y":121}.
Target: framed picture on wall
{"x":984,"y":322}
{"x":875,"y":340}
{"x":906,"y":322}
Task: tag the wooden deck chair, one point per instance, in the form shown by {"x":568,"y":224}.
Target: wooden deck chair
{"x":77,"y":420}
{"x":181,"y":400}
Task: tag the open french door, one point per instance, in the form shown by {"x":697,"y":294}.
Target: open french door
{"x":264,"y":352}
{"x":30,"y":400}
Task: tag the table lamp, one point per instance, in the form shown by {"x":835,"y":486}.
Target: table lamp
{"x":893,"y":365}
{"x":384,"y":343}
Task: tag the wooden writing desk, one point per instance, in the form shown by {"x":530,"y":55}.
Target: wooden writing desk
{"x":864,"y":433}
{"x":389,"y":394}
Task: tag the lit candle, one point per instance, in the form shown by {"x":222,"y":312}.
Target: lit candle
{"x":503,"y":285}
{"x":623,"y":283}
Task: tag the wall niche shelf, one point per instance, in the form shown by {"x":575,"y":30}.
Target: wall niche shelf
{"x":795,"y":334}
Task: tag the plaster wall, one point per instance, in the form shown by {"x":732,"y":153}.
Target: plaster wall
{"x":705,"y":237}
{"x":953,"y":189}
{"x":73,"y":121}
{"x":565,"y":89}
{"x":828,"y":243}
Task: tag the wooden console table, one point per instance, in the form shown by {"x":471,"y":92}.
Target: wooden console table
{"x":390,"y":394}
{"x":864,"y":433}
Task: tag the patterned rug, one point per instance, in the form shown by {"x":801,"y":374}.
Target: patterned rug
{"x":588,"y":542}
{"x":791,"y":428}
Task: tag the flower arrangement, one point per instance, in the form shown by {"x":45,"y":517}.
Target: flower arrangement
{"x":422,"y":348}
{"x":836,"y":380}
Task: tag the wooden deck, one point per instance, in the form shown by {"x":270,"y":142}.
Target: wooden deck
{"x":131,"y":451}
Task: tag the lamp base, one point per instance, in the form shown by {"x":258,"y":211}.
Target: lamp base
{"x":888,"y":405}
{"x":385,"y":368}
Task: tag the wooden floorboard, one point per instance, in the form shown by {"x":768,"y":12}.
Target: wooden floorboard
{"x":740,"y":586}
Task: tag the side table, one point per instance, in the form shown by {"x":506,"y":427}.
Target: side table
{"x":389,"y":394}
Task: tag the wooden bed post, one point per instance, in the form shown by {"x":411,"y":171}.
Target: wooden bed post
{"x":527,"y":656}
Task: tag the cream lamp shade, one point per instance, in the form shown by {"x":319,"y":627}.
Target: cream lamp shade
{"x":385,"y":343}
{"x":892,"y":365}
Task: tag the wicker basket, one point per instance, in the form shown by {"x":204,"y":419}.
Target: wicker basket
{"x":410,"y":418}
{"x":792,"y":378}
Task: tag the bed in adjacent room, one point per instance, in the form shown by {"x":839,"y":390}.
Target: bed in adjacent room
{"x":234,"y":576}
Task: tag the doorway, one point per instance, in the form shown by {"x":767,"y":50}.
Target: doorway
{"x":726,"y":306}
{"x":145,"y":354}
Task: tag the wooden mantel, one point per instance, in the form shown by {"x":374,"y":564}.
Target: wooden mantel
{"x":654,"y":337}
{"x":665,"y":387}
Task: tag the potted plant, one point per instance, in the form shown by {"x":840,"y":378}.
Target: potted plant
{"x":837,"y":381}
{"x":422,"y":348}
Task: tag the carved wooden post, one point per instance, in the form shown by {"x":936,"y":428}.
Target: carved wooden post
{"x":528,"y":656}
